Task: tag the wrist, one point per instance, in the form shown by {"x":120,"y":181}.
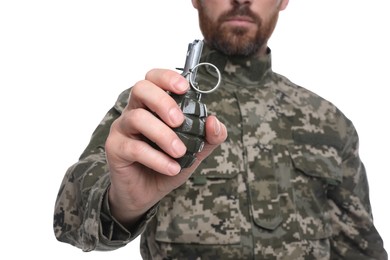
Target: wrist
{"x":123,"y":212}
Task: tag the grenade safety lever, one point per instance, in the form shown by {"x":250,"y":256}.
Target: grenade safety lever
{"x":192,"y":131}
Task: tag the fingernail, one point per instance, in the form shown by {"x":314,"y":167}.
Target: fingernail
{"x":176,"y":116}
{"x":174,"y":168}
{"x":217,"y":127}
{"x":178,"y":147}
{"x":180,"y":84}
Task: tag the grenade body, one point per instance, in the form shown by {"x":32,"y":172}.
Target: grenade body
{"x":192,"y":132}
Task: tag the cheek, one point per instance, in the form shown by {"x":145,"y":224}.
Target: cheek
{"x":208,"y":17}
{"x":212,"y":15}
{"x":214,"y":8}
{"x":267,"y":9}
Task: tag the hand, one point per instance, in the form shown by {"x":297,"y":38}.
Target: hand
{"x":140,"y":174}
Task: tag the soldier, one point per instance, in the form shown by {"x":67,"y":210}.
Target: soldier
{"x":280,"y":178}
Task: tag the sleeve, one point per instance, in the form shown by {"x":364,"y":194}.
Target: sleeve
{"x":82,"y":215}
{"x":354,"y":233}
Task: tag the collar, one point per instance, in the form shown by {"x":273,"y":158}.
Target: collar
{"x":238,"y":70}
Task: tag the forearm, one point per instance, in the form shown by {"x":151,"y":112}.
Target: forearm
{"x":82,"y":212}
{"x":354,"y":233}
{"x":77,"y":219}
{"x":77,"y":208}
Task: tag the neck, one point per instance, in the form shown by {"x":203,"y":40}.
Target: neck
{"x":261,"y":52}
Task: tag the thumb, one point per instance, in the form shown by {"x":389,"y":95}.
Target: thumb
{"x":216,"y":134}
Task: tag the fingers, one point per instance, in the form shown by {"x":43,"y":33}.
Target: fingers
{"x":140,"y":122}
{"x":152,"y":95}
{"x":128,"y":151}
{"x":151,"y":113}
{"x":147,"y":96}
{"x":168,"y":80}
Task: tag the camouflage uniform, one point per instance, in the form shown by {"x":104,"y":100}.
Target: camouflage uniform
{"x":287,"y":184}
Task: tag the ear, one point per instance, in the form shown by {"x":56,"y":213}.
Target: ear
{"x":195,"y":4}
{"x":283,"y":5}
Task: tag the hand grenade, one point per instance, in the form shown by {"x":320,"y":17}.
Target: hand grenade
{"x":192,"y":131}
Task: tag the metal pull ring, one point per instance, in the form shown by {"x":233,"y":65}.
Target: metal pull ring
{"x":194,"y":85}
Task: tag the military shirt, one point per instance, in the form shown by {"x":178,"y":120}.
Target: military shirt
{"x":287,"y":183}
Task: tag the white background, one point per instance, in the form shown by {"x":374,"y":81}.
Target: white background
{"x":63,"y":64}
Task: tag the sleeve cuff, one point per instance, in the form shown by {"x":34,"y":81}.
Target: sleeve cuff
{"x":113,"y":233}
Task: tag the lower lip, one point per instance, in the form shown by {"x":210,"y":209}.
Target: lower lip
{"x":239,"y":23}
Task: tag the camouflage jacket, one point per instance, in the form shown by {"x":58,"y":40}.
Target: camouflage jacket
{"x":287,"y":184}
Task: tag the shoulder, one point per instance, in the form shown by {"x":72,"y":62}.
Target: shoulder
{"x":303,"y":98}
{"x":313,"y":115}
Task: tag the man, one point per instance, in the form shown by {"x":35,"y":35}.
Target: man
{"x":280,"y":178}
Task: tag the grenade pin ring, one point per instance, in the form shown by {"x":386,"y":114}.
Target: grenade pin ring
{"x":194,"y":85}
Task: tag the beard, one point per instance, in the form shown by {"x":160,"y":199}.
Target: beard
{"x":237,"y":41}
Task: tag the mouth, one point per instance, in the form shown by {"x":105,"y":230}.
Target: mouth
{"x":240,"y":21}
{"x":240,"y":18}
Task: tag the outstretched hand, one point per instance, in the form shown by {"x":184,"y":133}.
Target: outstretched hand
{"x":141,"y":175}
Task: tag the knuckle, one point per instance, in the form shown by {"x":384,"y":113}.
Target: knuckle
{"x":138,"y":88}
{"x":126,"y":120}
{"x":135,"y":115}
{"x":165,"y":77}
{"x":132,"y":149}
{"x":150,"y":74}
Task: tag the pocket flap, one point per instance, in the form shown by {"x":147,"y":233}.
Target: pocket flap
{"x":319,"y":161}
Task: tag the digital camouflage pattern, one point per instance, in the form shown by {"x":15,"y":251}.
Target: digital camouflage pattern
{"x":287,"y":183}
